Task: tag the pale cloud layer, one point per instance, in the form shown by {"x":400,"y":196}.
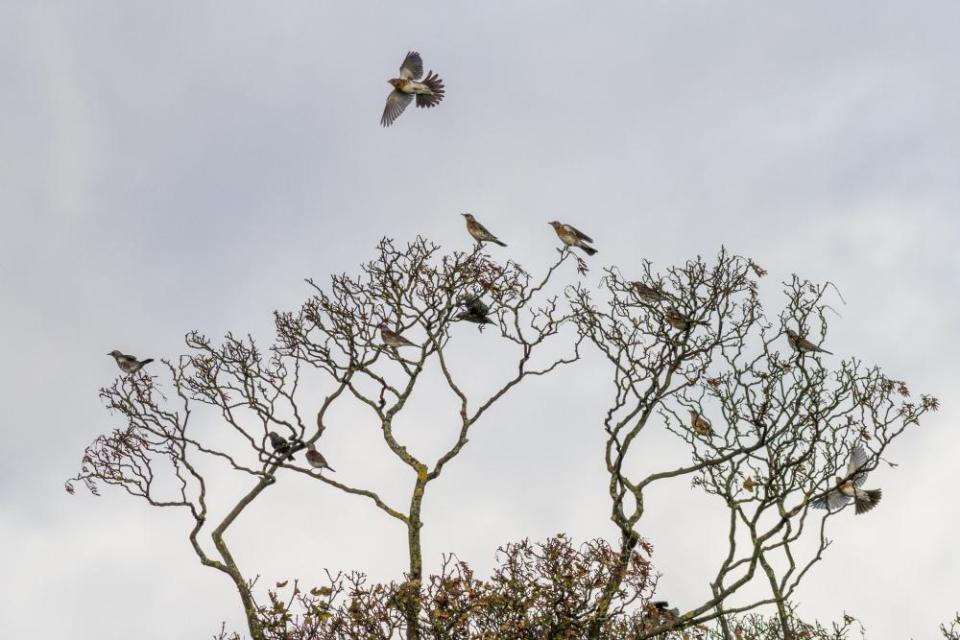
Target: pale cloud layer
{"x":168,"y":168}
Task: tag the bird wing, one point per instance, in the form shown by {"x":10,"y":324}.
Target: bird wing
{"x":475,"y":305}
{"x":580,"y":234}
{"x":483,"y":230}
{"x":412,"y":67}
{"x":858,"y":458}
{"x":397,"y":101}
{"x":831,"y":501}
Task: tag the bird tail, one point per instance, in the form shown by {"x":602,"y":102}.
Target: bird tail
{"x":867,"y":500}
{"x":432,"y":99}
{"x":829,"y":353}
{"x":145,"y":362}
{"x":495,"y":241}
{"x":587,"y":250}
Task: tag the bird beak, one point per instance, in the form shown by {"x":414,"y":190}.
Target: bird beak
{"x":464,"y":215}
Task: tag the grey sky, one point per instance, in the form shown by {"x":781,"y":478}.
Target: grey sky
{"x":166,"y":168}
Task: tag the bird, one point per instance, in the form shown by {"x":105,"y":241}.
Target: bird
{"x":429,"y":92}
{"x":476,"y":310}
{"x":648,"y":293}
{"x":572,"y":237}
{"x":749,"y":484}
{"x":128,"y":363}
{"x":679,"y":321}
{"x":316,"y":459}
{"x":663,"y":608}
{"x":392,"y":338}
{"x":479,"y":232}
{"x":280,"y":444}
{"x":700,"y":424}
{"x":848,"y":488}
{"x":802,"y":345}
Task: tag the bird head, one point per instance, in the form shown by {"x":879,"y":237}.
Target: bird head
{"x":395,"y":82}
{"x":790,"y":332}
{"x":311,"y":447}
{"x":468,"y":216}
{"x":554,"y":224}
{"x":115,"y":353}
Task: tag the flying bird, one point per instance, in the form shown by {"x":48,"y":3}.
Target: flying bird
{"x":700,"y":424}
{"x":679,"y":321}
{"x":479,"y":232}
{"x":648,"y":293}
{"x":128,"y":363}
{"x":848,"y":488}
{"x":281,"y":445}
{"x":392,"y":338}
{"x":572,"y":237}
{"x":316,"y":459}
{"x":428,"y":92}
{"x":802,"y":345}
{"x":475,"y":310}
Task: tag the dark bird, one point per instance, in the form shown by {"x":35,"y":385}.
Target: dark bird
{"x":128,"y":363}
{"x":648,"y":293}
{"x":475,"y":310}
{"x":392,"y":338}
{"x":802,"y":345}
{"x":679,"y":321}
{"x":479,"y":232}
{"x":281,"y":445}
{"x":429,"y":91}
{"x":316,"y":459}
{"x":848,"y":488}
{"x":663,"y":608}
{"x":572,"y":237}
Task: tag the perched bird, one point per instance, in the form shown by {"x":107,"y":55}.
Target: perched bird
{"x":475,"y":310}
{"x":802,"y":345}
{"x":849,"y":488}
{"x":749,"y":484}
{"x":572,"y":237}
{"x":663,"y":608}
{"x":280,"y":444}
{"x":648,"y":293}
{"x":479,"y":232}
{"x":679,"y":321}
{"x":392,"y":338}
{"x":428,"y":92}
{"x":128,"y":363}
{"x":316,"y":459}
{"x":700,"y":424}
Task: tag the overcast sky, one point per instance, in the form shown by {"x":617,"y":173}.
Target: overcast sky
{"x":166,"y":168}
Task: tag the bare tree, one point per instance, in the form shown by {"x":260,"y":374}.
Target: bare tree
{"x":767,"y":427}
{"x":344,"y":333}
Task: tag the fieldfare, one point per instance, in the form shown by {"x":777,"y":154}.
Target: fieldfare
{"x":648,"y":293}
{"x":316,"y":459}
{"x":479,"y":232}
{"x":475,"y":310}
{"x":280,"y":444}
{"x":572,"y":237}
{"x":392,"y":338}
{"x":679,"y":321}
{"x":802,"y":345}
{"x":700,"y":425}
{"x":127,"y":363}
{"x":849,"y":488}
{"x":428,"y":92}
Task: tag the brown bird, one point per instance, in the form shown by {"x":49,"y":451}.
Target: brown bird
{"x":700,"y":424}
{"x":802,"y":345}
{"x":573,"y":237}
{"x":316,"y":459}
{"x":679,"y":321}
{"x":749,"y":484}
{"x":480,"y":232}
{"x":429,"y":92}
{"x":392,"y":338}
{"x":848,"y":488}
{"x":648,"y":293}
